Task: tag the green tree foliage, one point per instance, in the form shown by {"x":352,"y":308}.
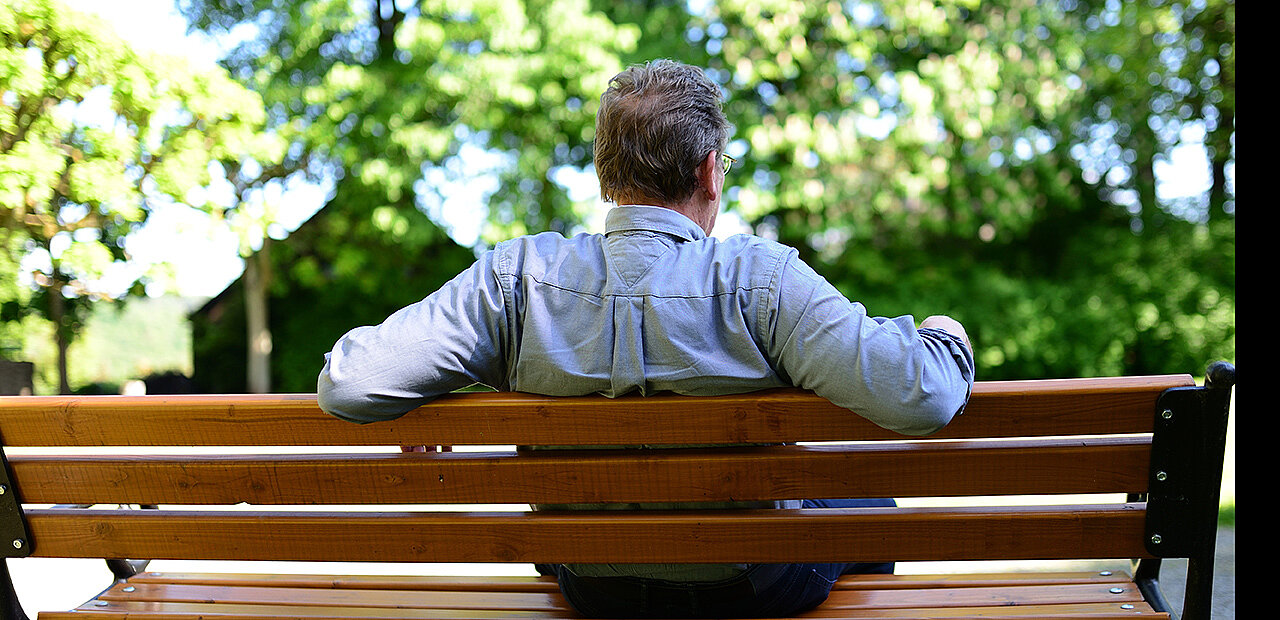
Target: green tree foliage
{"x":997,"y":161}
{"x":375,"y":98}
{"x":376,"y":93}
{"x":93,"y":137}
{"x":991,"y":160}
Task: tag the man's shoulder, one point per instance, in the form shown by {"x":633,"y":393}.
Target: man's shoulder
{"x":545,"y":249}
{"x":551,"y":242}
{"x":750,"y":252}
{"x":746,"y":242}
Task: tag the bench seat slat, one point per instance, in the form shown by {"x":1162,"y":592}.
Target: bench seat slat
{"x":259,"y":595}
{"x":842,"y":599}
{"x":548,"y":584}
{"x":924,"y":533}
{"x":204,"y":610}
{"x":982,"y":596}
{"x":1091,"y":611}
{"x":896,"y":469}
{"x":360,"y":582}
{"x":1062,"y":595}
{"x":996,"y":409}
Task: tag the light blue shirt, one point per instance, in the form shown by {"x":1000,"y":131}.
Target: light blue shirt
{"x":651,"y":305}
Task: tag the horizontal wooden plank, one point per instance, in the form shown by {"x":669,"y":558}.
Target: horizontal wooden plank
{"x":1016,"y":601}
{"x":201,"y":611}
{"x":821,"y":535}
{"x":461,"y":583}
{"x":996,"y":409}
{"x":844,"y":599}
{"x":103,"y":610}
{"x":1057,"y":594}
{"x":346,"y":597}
{"x":1092,"y":611}
{"x":548,"y":584}
{"x":899,"y":469}
{"x":1001,"y":595}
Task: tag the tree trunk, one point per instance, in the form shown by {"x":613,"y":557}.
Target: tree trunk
{"x":257,"y":272}
{"x":58,"y":316}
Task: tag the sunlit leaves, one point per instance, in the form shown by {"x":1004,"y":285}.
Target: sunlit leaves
{"x":93,"y":137}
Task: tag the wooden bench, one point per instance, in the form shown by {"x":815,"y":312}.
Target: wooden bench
{"x":1152,"y":445}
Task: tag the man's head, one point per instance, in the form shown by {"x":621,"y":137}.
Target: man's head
{"x":656,"y":127}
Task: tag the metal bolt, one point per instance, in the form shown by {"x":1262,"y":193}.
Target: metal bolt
{"x":1116,"y":590}
{"x":18,"y":543}
{"x":3,"y":489}
{"x":1161,"y":476}
{"x":1167,"y":414}
{"x":129,"y":588}
{"x":1155,"y":539}
{"x":1127,"y":606}
{"x":1105,"y":573}
{"x":101,"y":603}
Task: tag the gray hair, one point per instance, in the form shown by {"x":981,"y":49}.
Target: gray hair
{"x":656,"y":124}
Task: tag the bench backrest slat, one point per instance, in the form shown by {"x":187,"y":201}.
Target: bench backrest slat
{"x":343,"y":491}
{"x":1101,"y":531}
{"x":997,"y":409}
{"x":900,"y":469}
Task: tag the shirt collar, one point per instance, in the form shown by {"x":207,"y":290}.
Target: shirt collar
{"x":657,"y":219}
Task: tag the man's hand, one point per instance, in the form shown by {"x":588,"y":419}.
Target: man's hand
{"x":949,"y":325}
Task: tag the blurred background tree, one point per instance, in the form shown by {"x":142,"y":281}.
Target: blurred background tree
{"x":997,"y":161}
{"x":1057,"y":174}
{"x":396,"y":107}
{"x":93,"y":137}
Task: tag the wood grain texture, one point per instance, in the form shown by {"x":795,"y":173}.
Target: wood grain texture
{"x":1022,"y":437}
{"x":826,"y":535}
{"x":889,"y":469}
{"x":548,"y":584}
{"x":996,"y":409}
{"x":356,"y":582}
{"x":205,"y":611}
{"x":1048,"y":595}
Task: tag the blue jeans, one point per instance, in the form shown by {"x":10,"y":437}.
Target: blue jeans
{"x":764,"y":590}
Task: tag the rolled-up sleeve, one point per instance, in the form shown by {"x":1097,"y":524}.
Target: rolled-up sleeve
{"x":912,"y":381}
{"x":451,"y":339}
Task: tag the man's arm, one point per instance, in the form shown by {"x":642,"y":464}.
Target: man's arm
{"x":449,"y":340}
{"x":909,"y":380}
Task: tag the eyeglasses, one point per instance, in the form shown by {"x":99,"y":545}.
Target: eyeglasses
{"x":727,"y":162}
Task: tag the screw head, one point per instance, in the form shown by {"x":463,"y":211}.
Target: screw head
{"x":1156,"y":538}
{"x":1127,"y":606}
{"x":128,"y":588}
{"x":1105,"y":573}
{"x":1161,"y":476}
{"x":3,"y":489}
{"x":1116,"y":590}
{"x":18,"y":543}
{"x":1167,"y":414}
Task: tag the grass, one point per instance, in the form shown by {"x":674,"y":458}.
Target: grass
{"x":1227,"y":515}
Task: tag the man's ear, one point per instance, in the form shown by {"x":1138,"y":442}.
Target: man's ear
{"x":709,"y":179}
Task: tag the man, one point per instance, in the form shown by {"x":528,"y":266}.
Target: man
{"x":655,"y":304}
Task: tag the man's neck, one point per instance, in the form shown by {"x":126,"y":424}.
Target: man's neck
{"x":701,"y":212}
